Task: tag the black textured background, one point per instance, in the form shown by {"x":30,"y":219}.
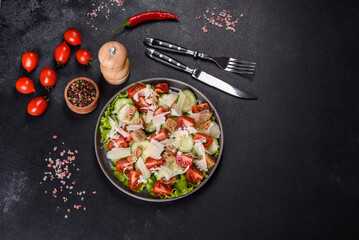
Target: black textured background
{"x":290,"y":166}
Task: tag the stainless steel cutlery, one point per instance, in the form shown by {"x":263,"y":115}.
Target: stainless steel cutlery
{"x":226,"y":63}
{"x":197,"y":74}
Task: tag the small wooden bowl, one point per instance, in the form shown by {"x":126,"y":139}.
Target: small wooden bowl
{"x":87,"y":109}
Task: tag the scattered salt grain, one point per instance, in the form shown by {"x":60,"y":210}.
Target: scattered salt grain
{"x":58,"y":171}
{"x":219,"y":19}
{"x":103,"y":6}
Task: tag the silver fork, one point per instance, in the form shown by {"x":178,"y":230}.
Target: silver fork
{"x":225,"y":63}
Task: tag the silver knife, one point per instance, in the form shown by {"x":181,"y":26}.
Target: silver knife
{"x":198,"y":74}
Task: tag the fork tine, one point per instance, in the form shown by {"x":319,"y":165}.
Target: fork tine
{"x":240,"y":72}
{"x":241,"y":61}
{"x":241,"y":65}
{"x":241,"y":69}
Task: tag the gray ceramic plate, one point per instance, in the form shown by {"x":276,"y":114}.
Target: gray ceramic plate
{"x":106,"y":164}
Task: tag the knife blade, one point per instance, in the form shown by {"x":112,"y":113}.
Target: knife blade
{"x":219,"y":84}
{"x":198,"y":74}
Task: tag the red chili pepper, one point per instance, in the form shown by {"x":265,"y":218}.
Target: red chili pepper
{"x":147,"y":16}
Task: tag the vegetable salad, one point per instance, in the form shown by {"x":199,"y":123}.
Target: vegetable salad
{"x":160,"y":140}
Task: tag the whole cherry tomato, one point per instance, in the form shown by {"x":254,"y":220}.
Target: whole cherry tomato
{"x":84,"y":57}
{"x":62,"y":54}
{"x":72,"y":37}
{"x":37,"y":106}
{"x":29,"y":61}
{"x":48,"y":77}
{"x":25,"y":85}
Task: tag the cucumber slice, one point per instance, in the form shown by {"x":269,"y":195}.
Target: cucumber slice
{"x":165,"y":171}
{"x":162,"y":101}
{"x":190,"y":101}
{"x":168,"y":168}
{"x":149,"y":126}
{"x":185,"y":143}
{"x":123,"y":111}
{"x":214,"y":147}
{"x":173,"y":166}
{"x":193,"y":152}
{"x":143,"y":145}
{"x":121,"y":102}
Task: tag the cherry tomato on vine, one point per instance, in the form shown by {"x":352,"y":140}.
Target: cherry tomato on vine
{"x":48,"y":77}
{"x":37,"y":106}
{"x":72,"y":37}
{"x":25,"y":85}
{"x":84,"y":57}
{"x":62,"y":53}
{"x":29,"y":61}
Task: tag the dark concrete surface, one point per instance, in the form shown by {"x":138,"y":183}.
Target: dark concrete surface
{"x":290,"y":166}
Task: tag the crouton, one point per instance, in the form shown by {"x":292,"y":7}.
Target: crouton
{"x":205,"y":126}
{"x":139,"y":121}
{"x":135,"y":155}
{"x":170,"y":125}
{"x":170,"y":181}
{"x":138,"y":135}
{"x":171,"y":149}
{"x":169,"y":156}
{"x":210,"y":161}
{"x":202,"y":117}
{"x":131,"y":111}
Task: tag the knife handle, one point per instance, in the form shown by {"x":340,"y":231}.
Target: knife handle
{"x":167,"y":60}
{"x":166,"y":46}
{"x":170,"y":47}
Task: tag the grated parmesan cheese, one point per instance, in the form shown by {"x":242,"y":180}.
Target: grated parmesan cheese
{"x":201,"y":164}
{"x":171,"y":98}
{"x":149,"y":117}
{"x":134,"y":127}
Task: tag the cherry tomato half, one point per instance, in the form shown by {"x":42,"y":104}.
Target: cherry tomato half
{"x":153,"y":163}
{"x":120,"y":142}
{"x":200,"y":107}
{"x":37,"y":106}
{"x":160,"y":110}
{"x":184,"y":160}
{"x":160,"y":136}
{"x":84,"y":57}
{"x":163,"y":87}
{"x":207,"y":140}
{"x":142,"y":105}
{"x":25,"y":85}
{"x":29,"y":61}
{"x":62,"y":54}
{"x":161,"y":189}
{"x":184,"y":121}
{"x":194,"y":175}
{"x":133,"y":178}
{"x":124,"y":166}
{"x":72,"y":37}
{"x":134,"y":89}
{"x":48,"y":77}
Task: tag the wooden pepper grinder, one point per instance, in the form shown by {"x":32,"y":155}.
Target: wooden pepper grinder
{"x":114,"y":64}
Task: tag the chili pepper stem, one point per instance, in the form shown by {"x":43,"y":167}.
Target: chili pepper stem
{"x":127,"y":24}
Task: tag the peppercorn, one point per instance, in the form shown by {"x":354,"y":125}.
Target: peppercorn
{"x":81,"y":93}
